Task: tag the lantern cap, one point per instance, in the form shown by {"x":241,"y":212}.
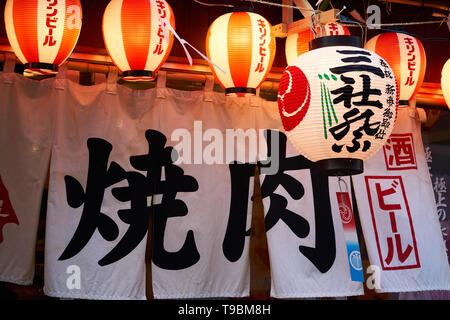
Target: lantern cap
{"x":330,"y":41}
{"x":242,"y":9}
{"x":339,"y":167}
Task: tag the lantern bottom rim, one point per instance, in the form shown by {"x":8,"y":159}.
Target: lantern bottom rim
{"x":139,"y":75}
{"x":339,"y":167}
{"x":240,"y":92}
{"x":40,"y":69}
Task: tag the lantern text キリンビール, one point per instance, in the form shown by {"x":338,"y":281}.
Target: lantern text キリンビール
{"x":406,"y":56}
{"x":242,"y":44}
{"x":43,"y":33}
{"x":137,"y":37}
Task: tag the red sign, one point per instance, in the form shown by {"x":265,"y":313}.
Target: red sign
{"x":392,"y":223}
{"x":7,"y":214}
{"x":399,"y":152}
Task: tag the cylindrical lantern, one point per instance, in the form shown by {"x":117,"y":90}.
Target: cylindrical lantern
{"x":406,"y":56}
{"x":445,"y":82}
{"x":298,"y":43}
{"x":242,"y":44}
{"x":338,"y":104}
{"x":43,"y":33}
{"x":134,"y":35}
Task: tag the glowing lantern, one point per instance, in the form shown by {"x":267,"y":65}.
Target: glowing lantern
{"x":242,"y":44}
{"x":43,"y":33}
{"x":406,"y":56}
{"x":335,"y":29}
{"x":135,"y":38}
{"x":298,"y":43}
{"x":445,"y":82}
{"x":337,"y":105}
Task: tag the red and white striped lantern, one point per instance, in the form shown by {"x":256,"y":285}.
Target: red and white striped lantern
{"x":406,"y":56}
{"x":43,"y":33}
{"x":242,"y":44}
{"x":334,"y":29}
{"x":445,"y":82}
{"x":298,"y":43}
{"x":134,"y":36}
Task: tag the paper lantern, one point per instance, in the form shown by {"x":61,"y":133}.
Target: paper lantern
{"x":406,"y":56}
{"x":242,"y":44}
{"x":334,"y":29}
{"x":134,"y":36}
{"x":298,"y":43}
{"x":337,"y":104}
{"x":43,"y":33}
{"x":445,"y":82}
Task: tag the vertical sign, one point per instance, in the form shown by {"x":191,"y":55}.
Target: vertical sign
{"x":351,"y":237}
{"x":396,"y":245}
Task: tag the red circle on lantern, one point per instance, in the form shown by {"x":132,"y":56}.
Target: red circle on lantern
{"x":294,"y":97}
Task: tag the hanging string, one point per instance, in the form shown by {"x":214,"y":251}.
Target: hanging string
{"x":358,"y":24}
{"x":355,"y":23}
{"x":313,"y":25}
{"x":388,"y":7}
{"x":366,"y":15}
{"x":213,"y":4}
{"x":341,"y":194}
{"x":342,"y":181}
{"x":281,"y":5}
{"x":347,"y":24}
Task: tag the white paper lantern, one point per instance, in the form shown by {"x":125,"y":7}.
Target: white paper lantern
{"x":338,"y":102}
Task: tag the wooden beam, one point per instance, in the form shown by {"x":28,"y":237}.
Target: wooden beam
{"x":435,"y":4}
{"x":305,"y":8}
{"x":429,"y":95}
{"x":288,"y":13}
{"x":305,"y":24}
{"x":287,"y":18}
{"x":282,"y":31}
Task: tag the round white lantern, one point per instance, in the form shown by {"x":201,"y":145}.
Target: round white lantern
{"x":338,"y":104}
